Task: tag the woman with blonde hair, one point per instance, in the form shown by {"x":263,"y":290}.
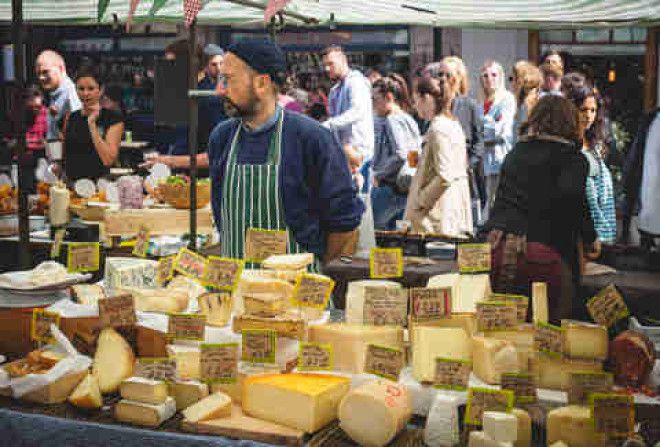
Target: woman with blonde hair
{"x":457,"y":65}
{"x":499,"y":110}
{"x":525,"y":81}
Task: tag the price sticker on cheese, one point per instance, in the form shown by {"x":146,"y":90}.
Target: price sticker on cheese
{"x":156,"y":368}
{"x":582,"y":384}
{"x":486,"y":399}
{"x":549,"y":339}
{"x":315,"y":357}
{"x":83,"y":257}
{"x":386,"y":263}
{"x":117,"y":311}
{"x":496,"y":315}
{"x":219,"y":363}
{"x":608,"y":306}
{"x":259,"y":345}
{"x":186,"y":326}
{"x":427,"y":304}
{"x":384,"y":361}
{"x":312,"y":290}
{"x":40,"y":328}
{"x":385,"y":306}
{"x":142,"y":242}
{"x":260,"y":244}
{"x":523,"y":386}
{"x":190,"y":264}
{"x":165,"y":270}
{"x":521,"y":302}
{"x":56,"y":248}
{"x":223,"y":273}
{"x":452,"y":374}
{"x":474,"y":258}
{"x":613,"y":414}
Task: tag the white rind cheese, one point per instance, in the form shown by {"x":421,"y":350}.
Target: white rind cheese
{"x":144,"y":390}
{"x":188,"y":392}
{"x":213,"y":406}
{"x":502,"y":427}
{"x":442,"y":425}
{"x":146,"y":415}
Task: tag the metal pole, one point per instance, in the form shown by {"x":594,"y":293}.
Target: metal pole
{"x":19,"y":76}
{"x":192,"y":132}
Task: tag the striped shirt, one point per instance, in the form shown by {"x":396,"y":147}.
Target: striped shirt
{"x":600,"y":196}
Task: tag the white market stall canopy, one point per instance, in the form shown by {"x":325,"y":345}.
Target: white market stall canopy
{"x":476,"y":13}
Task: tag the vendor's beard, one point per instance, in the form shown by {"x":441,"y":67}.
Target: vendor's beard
{"x":233,"y":110}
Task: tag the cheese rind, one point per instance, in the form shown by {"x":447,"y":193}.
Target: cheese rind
{"x":188,"y":392}
{"x":585,"y":341}
{"x":524,"y":430}
{"x":87,"y":394}
{"x":147,"y":415}
{"x":144,"y":390}
{"x":493,"y":357}
{"x":350,"y":342}
{"x":432,"y":342}
{"x":355,"y":294}
{"x":113,"y":362}
{"x":374,"y":413}
{"x":306,"y":402}
{"x":213,"y":406}
{"x":554,"y":373}
{"x":572,"y":425}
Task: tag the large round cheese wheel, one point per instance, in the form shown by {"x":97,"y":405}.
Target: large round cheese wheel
{"x":374,"y":413}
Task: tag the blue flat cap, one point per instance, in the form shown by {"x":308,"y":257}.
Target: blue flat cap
{"x":263,"y":55}
{"x":213,"y":50}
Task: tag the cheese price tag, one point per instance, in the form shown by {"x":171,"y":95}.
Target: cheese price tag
{"x":312,"y":291}
{"x":451,"y":374}
{"x":165,"y":270}
{"x":261,"y":244}
{"x":474,"y":258}
{"x":607,"y":307}
{"x":386,"y":263}
{"x":385,"y":306}
{"x":41,"y":321}
{"x":190,"y":264}
{"x":384,"y":362}
{"x":486,"y":399}
{"x":83,"y":257}
{"x":186,"y":327}
{"x":521,"y":302}
{"x":142,"y":242}
{"x":428,"y":304}
{"x":582,"y":384}
{"x":523,"y":386}
{"x":612,"y":414}
{"x":315,"y":357}
{"x":496,"y":315}
{"x":259,"y":346}
{"x":156,"y":368}
{"x":223,"y":273}
{"x":549,"y":339}
{"x":117,"y":311}
{"x":56,"y":248}
{"x":219,"y":363}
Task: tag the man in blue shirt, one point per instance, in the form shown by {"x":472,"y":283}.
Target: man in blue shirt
{"x":276,"y":170}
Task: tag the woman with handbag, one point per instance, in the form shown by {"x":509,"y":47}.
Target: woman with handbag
{"x":396,"y":135}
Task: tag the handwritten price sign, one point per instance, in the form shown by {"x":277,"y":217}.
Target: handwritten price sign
{"x":315,"y":357}
{"x":261,"y":244}
{"x":219,"y":363}
{"x":41,"y":321}
{"x":83,"y":257}
{"x":223,"y":273}
{"x":259,"y":346}
{"x":312,"y":291}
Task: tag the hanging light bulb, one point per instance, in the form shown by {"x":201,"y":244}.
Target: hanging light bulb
{"x":611,"y":75}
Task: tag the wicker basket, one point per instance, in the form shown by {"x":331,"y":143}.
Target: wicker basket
{"x":178,"y":196}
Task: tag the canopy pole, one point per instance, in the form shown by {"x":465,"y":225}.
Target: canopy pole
{"x":19,"y":120}
{"x":192,"y":131}
{"x":294,"y":15}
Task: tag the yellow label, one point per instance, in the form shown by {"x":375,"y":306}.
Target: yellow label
{"x":223,"y":273}
{"x":315,"y":357}
{"x":165,"y":269}
{"x":259,"y":345}
{"x":186,"y":326}
{"x":452,"y":374}
{"x":261,"y":243}
{"x":474,"y":258}
{"x":190,"y":264}
{"x":486,"y":399}
{"x":83,"y":257}
{"x":142,"y":242}
{"x":219,"y":362}
{"x":312,"y":291}
{"x":386,"y":263}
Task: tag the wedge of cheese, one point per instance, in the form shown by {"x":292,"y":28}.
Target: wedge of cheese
{"x":445,"y":280}
{"x":374,"y":413}
{"x":350,"y":342}
{"x":144,"y":390}
{"x":87,"y":394}
{"x":264,"y":304}
{"x":213,"y":406}
{"x":306,"y":402}
{"x":146,"y":415}
{"x":523,"y":339}
{"x":491,"y":358}
{"x":188,"y":360}
{"x":585,"y":340}
{"x":442,"y":424}
{"x":259,"y":281}
{"x":235,"y":390}
{"x":432,"y":342}
{"x":554,"y":373}
{"x":158,"y":300}
{"x":573,"y":426}
{"x":355,"y":295}
{"x":288,"y":262}
{"x":187,"y":392}
{"x":89,"y":294}
{"x":465,"y":321}
{"x":113,"y":362}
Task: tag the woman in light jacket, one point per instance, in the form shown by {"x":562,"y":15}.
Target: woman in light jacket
{"x":499,"y":113}
{"x":439,"y":197}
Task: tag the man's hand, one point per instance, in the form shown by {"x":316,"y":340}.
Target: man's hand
{"x":354,"y":157}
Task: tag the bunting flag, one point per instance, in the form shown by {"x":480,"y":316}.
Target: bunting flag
{"x":155,"y":7}
{"x":190,"y":10}
{"x":273,"y":7}
{"x":102,"y":7}
{"x":131,"y":12}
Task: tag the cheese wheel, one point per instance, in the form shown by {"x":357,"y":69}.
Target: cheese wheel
{"x":113,"y":362}
{"x":374,"y":413}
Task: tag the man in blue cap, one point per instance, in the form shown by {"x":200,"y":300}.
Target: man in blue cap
{"x":276,"y":170}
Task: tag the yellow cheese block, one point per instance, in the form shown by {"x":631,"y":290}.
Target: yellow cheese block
{"x":350,"y":342}
{"x":158,"y":300}
{"x":432,"y":342}
{"x":213,"y":406}
{"x":573,"y":426}
{"x":554,"y":373}
{"x":585,"y":340}
{"x":306,"y":402}
{"x":264,"y":304}
{"x":524,"y":438}
{"x":188,"y":392}
{"x":491,"y":358}
{"x":235,"y":390}
{"x":465,"y":321}
{"x":288,"y":262}
{"x":523,"y":339}
{"x":188,"y":360}
{"x":290,"y":325}
{"x":147,"y":415}
{"x":471,"y":290}
{"x":87,"y":394}
{"x":113,"y":361}
{"x":144,"y":390}
{"x":217,"y":308}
